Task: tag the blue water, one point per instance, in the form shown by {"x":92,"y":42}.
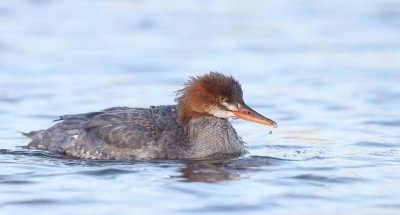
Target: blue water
{"x":327,"y":71}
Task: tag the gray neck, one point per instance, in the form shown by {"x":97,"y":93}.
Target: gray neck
{"x":210,"y":136}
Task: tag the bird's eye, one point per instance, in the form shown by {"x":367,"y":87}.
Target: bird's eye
{"x":223,"y":99}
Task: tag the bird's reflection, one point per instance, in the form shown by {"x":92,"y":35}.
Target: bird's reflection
{"x":213,"y":171}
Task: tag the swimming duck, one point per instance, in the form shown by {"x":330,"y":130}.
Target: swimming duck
{"x":197,"y":127}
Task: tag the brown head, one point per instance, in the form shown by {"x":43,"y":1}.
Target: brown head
{"x":218,"y":95}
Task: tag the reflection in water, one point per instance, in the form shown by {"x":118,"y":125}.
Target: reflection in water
{"x":212,"y":171}
{"x":208,"y":171}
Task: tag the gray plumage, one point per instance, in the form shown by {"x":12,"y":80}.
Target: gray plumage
{"x":123,"y":133}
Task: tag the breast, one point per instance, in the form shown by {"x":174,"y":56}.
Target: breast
{"x":211,"y":136}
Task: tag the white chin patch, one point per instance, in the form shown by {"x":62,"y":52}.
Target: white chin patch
{"x":215,"y":111}
{"x":229,"y":106}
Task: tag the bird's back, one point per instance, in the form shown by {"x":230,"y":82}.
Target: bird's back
{"x":114,"y":133}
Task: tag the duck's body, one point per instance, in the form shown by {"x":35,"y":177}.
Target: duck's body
{"x":196,"y":128}
{"x":122,"y":133}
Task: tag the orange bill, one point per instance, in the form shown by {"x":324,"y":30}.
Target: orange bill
{"x":246,"y":113}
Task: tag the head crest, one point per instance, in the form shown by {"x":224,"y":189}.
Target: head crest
{"x":201,"y":92}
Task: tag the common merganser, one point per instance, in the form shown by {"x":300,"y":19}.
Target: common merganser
{"x":196,"y":128}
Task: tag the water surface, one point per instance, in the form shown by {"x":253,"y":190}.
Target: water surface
{"x":327,"y":71}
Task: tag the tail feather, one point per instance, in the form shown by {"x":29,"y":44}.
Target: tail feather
{"x":31,"y":134}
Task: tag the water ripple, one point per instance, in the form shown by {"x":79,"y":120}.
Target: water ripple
{"x":369,"y":144}
{"x":32,"y":202}
{"x":395,"y":123}
{"x":105,"y":172}
{"x":327,"y":179}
